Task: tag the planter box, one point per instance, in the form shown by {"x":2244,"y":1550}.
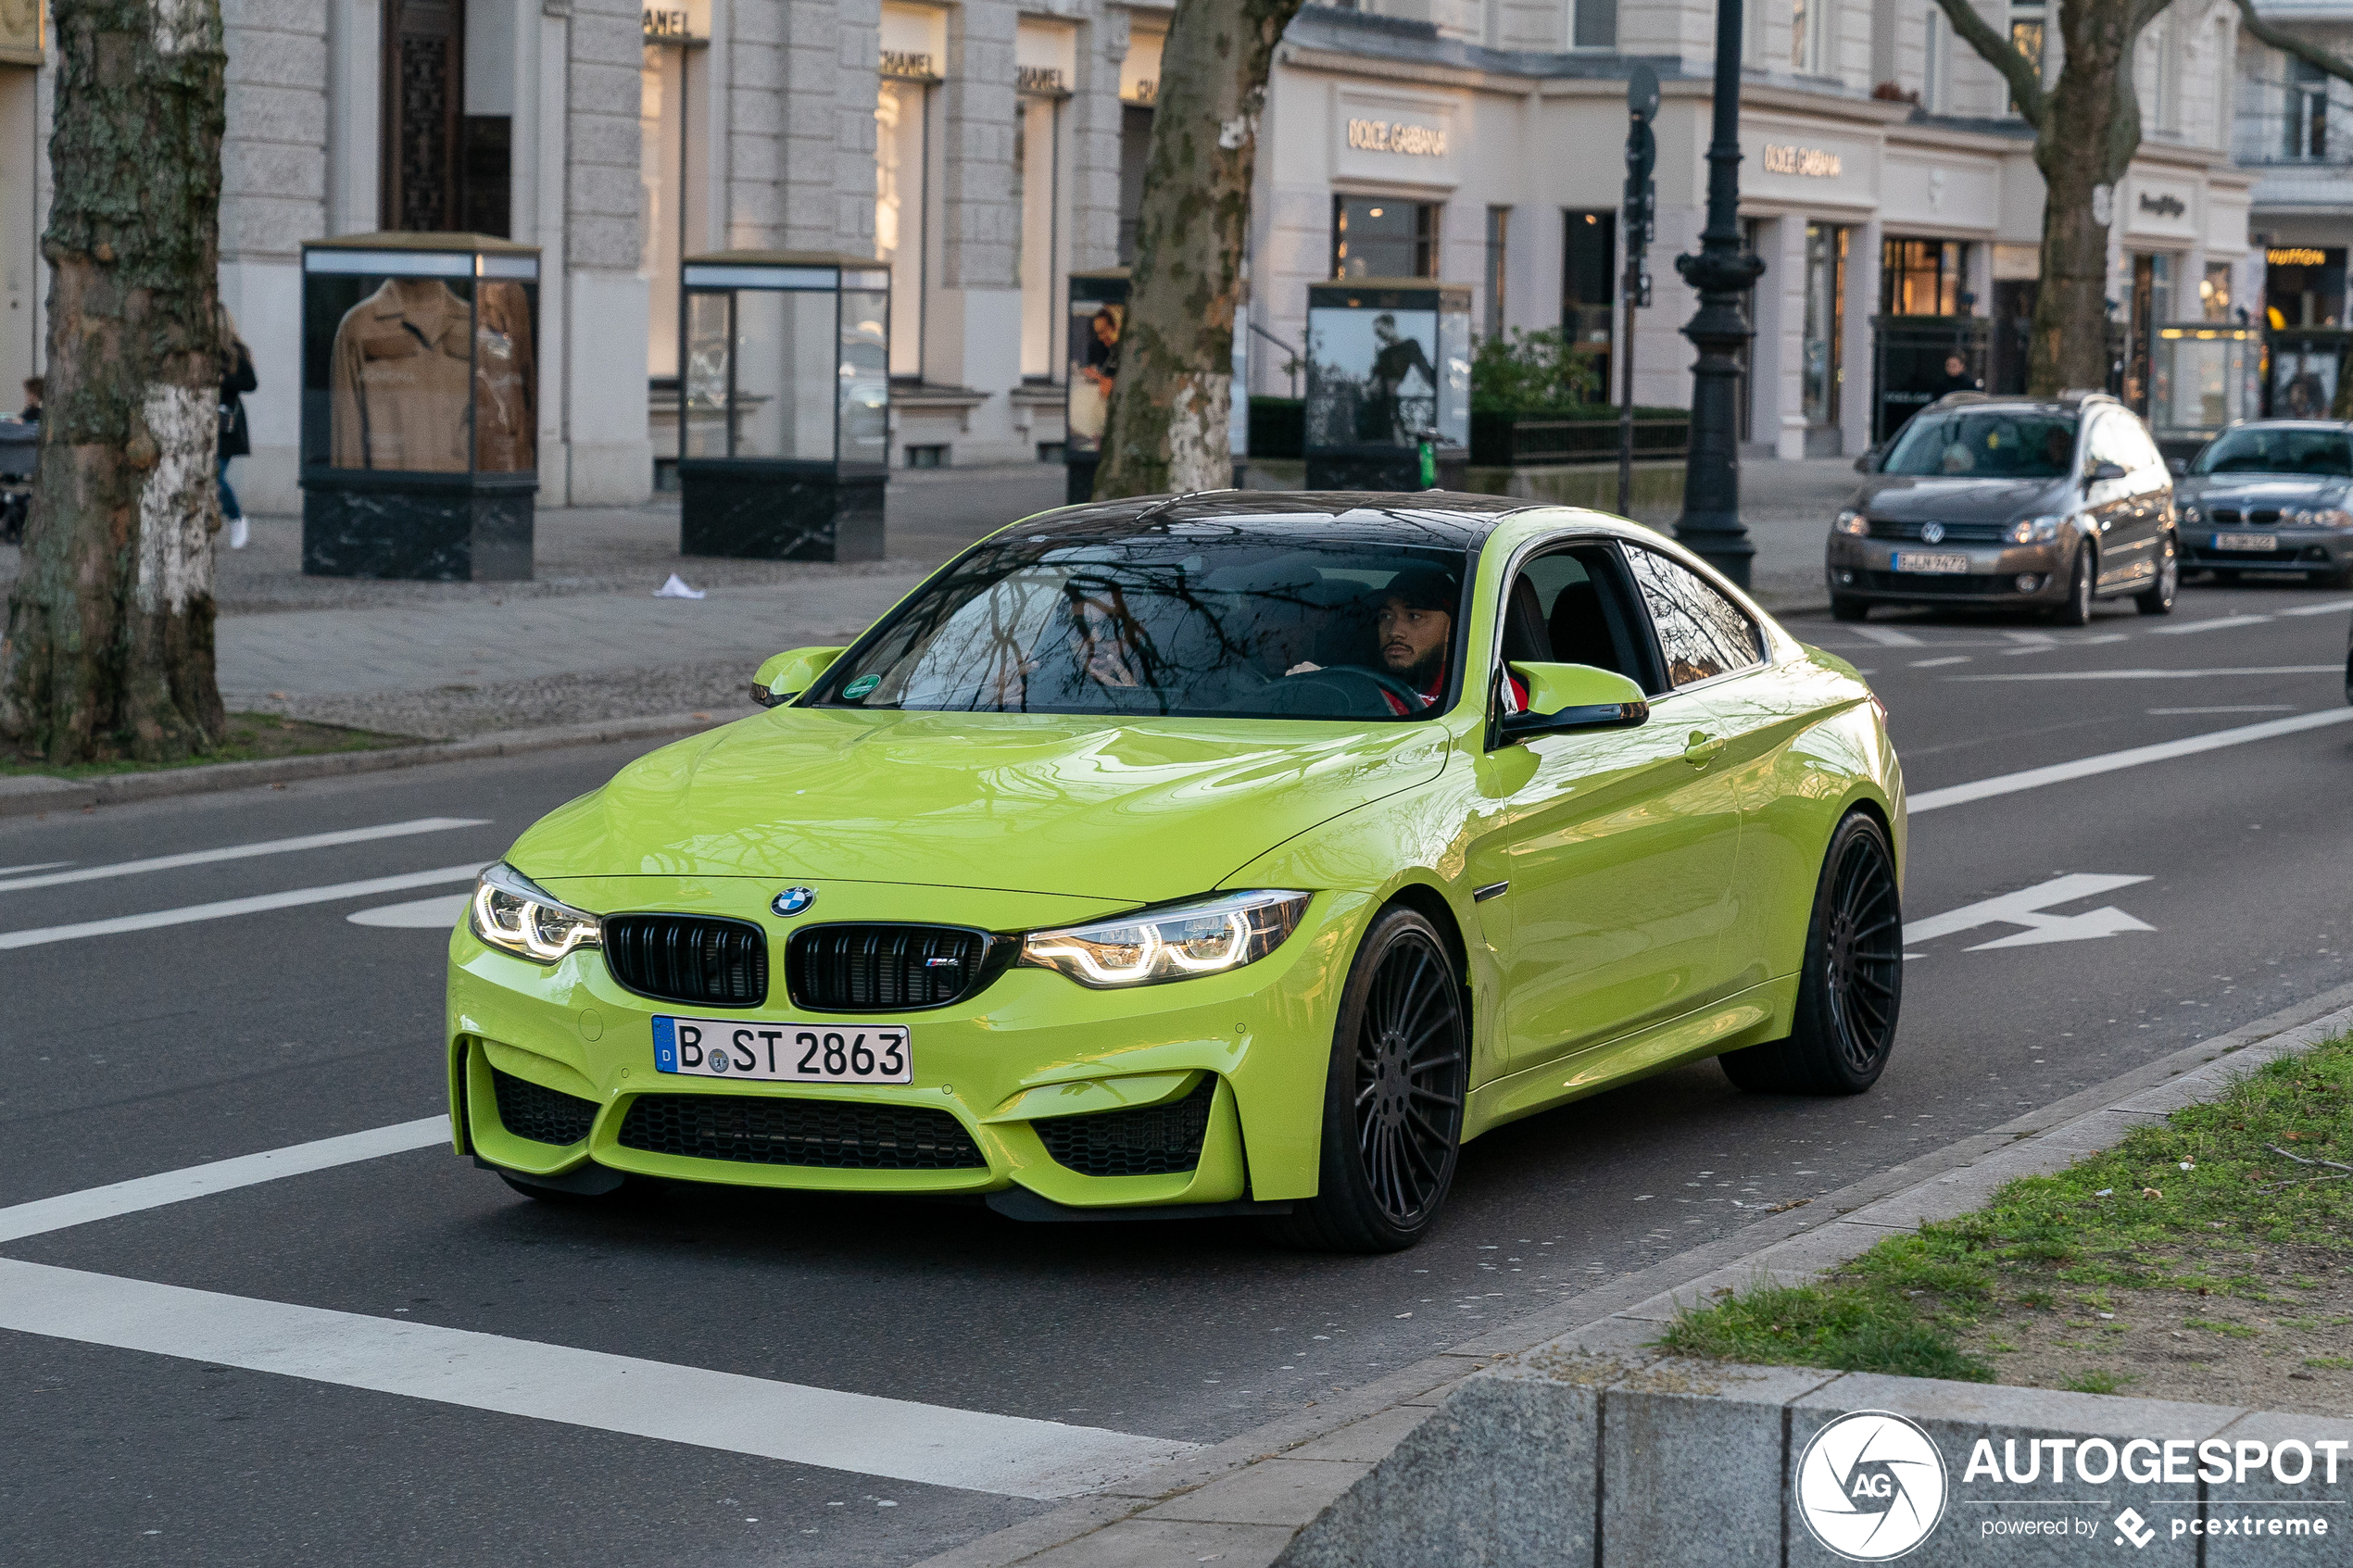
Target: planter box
{"x":1507,"y":441}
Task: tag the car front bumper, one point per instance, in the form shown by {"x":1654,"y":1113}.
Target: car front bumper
{"x":2300,"y":550}
{"x":1251,"y":1047}
{"x":1865,"y":569}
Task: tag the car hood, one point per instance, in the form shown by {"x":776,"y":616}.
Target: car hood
{"x":2261,"y":490}
{"x":1134,"y":811}
{"x":1907,"y":498}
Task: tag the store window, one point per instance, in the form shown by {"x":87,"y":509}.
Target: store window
{"x":2304,"y":287}
{"x":1923,"y":276}
{"x":1498,"y":230}
{"x":1383,"y":237}
{"x":1595,"y":25}
{"x":914,"y":42}
{"x":1809,"y":46}
{"x":446,"y":101}
{"x":2307,"y":139}
{"x":1139,"y":90}
{"x":2214,"y":292}
{"x":1046,"y":61}
{"x":1588,"y":272}
{"x":673,"y":81}
{"x":1821,"y":354}
{"x":2026,"y":35}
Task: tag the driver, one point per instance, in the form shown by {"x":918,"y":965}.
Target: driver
{"x":1414,"y":624}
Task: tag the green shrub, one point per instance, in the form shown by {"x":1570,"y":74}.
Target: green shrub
{"x":1528,"y":373}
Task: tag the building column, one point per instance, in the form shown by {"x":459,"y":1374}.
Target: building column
{"x":1778,"y":366}
{"x":1862,"y":304}
{"x":607,"y":459}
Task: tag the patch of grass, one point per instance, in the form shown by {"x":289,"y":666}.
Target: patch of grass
{"x":251,"y":737}
{"x":2177,"y":1206}
{"x":2332,"y":1364}
{"x":2098,"y":1382}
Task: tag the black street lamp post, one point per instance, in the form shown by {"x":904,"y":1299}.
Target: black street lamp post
{"x":1722,"y":272}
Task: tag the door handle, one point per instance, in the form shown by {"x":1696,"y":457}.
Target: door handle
{"x":1702,"y":747}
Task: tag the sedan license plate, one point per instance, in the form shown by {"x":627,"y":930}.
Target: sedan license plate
{"x":2246,"y":542}
{"x":780,"y":1052}
{"x":1914,"y":561}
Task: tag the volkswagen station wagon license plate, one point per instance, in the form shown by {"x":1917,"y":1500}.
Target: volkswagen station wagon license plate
{"x":780,"y":1052}
{"x":1946,"y":564}
{"x":2246,"y":542}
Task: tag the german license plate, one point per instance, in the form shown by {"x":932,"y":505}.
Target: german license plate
{"x":2246,"y":542}
{"x":782,"y":1051}
{"x":1916,"y":560}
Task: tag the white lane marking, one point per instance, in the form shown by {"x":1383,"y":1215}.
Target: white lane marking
{"x":1933,"y":663}
{"x":2031,"y":638}
{"x":45,"y":1215}
{"x":1885,"y":636}
{"x":37,"y":866}
{"x":2179,"y":628}
{"x":2055,"y":646}
{"x":438,"y":913}
{"x":2155,"y":674}
{"x":2084,"y":768}
{"x":242,"y":851}
{"x":2334,"y":606}
{"x":227,"y":907}
{"x":898,"y":1439}
{"x":2026,"y":907}
{"x":2238,"y":707}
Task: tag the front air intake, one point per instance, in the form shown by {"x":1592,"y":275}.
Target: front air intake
{"x":1154,"y":1141}
{"x":701,"y":960}
{"x":542,"y":1114}
{"x":830,"y":1135}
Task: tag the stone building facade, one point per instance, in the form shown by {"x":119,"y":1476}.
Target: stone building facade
{"x":990,"y":149}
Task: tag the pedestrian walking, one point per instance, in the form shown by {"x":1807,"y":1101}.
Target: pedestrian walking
{"x":33,"y":387}
{"x":237,"y":379}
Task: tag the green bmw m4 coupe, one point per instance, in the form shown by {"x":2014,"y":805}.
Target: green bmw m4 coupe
{"x":1232,"y":854}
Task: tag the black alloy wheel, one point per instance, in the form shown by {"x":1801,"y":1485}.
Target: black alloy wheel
{"x":1852,"y":985}
{"x":2077,"y":610}
{"x":2158,"y":598}
{"x":1394,"y":1097}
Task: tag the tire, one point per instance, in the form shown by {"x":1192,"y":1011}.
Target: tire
{"x":1845,"y":606}
{"x":2158,"y":598}
{"x":1852,"y":987}
{"x":1394,"y":1097}
{"x":2077,"y":610}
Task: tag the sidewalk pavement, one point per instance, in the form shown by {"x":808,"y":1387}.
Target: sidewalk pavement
{"x":584,"y":642}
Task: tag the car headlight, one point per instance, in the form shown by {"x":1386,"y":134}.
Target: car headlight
{"x":2035,"y":530}
{"x":2333,"y":516}
{"x":1851,"y":522}
{"x":2191,"y":514}
{"x":515,"y":915}
{"x":1208,"y":936}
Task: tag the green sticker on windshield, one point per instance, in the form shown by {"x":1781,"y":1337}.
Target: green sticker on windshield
{"x":860,"y":686}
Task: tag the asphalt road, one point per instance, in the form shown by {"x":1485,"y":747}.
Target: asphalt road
{"x":127,"y":1053}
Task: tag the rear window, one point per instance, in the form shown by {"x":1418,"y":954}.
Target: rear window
{"x":2321,"y":453}
{"x":1985,"y":443}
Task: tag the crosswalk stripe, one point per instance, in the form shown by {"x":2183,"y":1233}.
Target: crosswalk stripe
{"x":2219,"y":623}
{"x":2061,"y":772}
{"x":2334,"y":606}
{"x":39,"y":936}
{"x":241,"y":851}
{"x":864,"y":1434}
{"x":1885,"y":636}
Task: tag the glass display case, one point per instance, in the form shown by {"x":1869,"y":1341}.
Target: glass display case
{"x":1098,"y":312}
{"x":420,"y":407}
{"x":783,"y":407}
{"x":1388,"y":371}
{"x":2202,"y":375}
{"x":2307,"y":380}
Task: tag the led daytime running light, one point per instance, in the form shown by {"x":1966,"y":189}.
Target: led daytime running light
{"x":515,"y":915}
{"x":1175,"y":943}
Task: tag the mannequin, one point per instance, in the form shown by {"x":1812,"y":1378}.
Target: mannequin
{"x":401,"y":370}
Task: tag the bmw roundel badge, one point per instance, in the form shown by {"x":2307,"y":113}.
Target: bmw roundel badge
{"x":792,"y":900}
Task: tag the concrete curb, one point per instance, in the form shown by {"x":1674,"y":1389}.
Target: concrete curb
{"x":33,"y":795}
{"x":1245,"y":1499}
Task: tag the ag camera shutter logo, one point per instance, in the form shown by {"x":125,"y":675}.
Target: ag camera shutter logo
{"x":1870,"y":1486}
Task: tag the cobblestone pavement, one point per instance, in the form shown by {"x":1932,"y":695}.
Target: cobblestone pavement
{"x":586,"y":641}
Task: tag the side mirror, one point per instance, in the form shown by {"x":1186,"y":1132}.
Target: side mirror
{"x":786,"y":675}
{"x":2100,"y":473}
{"x":1566,"y":697}
{"x":1868,"y":461}
{"x":2178,"y":467}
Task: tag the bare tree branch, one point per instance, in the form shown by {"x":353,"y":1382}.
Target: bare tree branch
{"x":2025,"y":76}
{"x":2309,"y":52}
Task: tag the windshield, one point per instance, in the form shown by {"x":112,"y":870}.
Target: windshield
{"x":2278,"y":449}
{"x":1182,"y":620}
{"x":1985,"y":444}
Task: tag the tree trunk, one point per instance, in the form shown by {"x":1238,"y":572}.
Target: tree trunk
{"x":2091,"y":130}
{"x":1169,"y":407}
{"x":110,"y":644}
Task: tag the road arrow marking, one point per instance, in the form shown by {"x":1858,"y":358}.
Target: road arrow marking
{"x":2028,"y":907}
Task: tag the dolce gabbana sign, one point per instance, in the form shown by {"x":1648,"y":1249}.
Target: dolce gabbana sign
{"x":1812,"y":163}
{"x":1397,"y":136}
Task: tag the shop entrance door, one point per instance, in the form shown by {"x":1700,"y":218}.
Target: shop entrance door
{"x":424,"y":99}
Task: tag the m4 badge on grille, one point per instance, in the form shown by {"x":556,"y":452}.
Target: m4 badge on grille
{"x":792,"y":900}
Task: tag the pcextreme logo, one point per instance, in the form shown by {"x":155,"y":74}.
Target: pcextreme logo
{"x":1870,"y":1486}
